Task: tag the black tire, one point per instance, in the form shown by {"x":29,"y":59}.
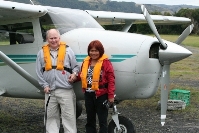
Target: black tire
{"x":78,"y":109}
{"x":125,"y":124}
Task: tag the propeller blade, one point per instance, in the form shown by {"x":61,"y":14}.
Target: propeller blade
{"x":164,"y":91}
{"x":152,"y":26}
{"x":184,"y":34}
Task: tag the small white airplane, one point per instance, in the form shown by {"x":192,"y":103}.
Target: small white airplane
{"x":141,"y":62}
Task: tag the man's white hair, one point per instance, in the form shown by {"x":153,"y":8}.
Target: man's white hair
{"x":47,"y":32}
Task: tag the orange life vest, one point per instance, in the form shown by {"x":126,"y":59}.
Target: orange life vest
{"x":60,"y":58}
{"x":96,"y":72}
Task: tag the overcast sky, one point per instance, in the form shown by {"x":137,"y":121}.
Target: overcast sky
{"x":166,"y":2}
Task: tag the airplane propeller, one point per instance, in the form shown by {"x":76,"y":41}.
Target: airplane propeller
{"x":167,"y":55}
{"x":153,"y":27}
{"x":166,"y":68}
{"x":184,"y":34}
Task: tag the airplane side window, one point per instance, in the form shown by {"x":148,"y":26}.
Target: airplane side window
{"x":154,"y":50}
{"x":46,"y":24}
{"x":19,"y":33}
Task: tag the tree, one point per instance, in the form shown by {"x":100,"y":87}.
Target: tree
{"x":193,"y":14}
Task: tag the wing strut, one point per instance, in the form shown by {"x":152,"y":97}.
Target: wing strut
{"x":127,"y":26}
{"x":19,"y":70}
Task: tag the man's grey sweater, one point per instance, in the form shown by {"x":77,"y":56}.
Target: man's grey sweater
{"x":56,"y":78}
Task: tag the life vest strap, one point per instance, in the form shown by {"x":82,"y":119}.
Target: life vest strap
{"x":100,"y":86}
{"x":65,"y":68}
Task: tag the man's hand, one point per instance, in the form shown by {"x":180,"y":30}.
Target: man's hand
{"x":72,"y":78}
{"x":47,"y":90}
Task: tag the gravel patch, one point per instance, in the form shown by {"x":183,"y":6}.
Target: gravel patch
{"x":187,"y":82}
{"x":24,"y":116}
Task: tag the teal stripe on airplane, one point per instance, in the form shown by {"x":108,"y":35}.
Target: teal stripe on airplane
{"x":80,"y":58}
{"x":22,"y":56}
{"x":116,"y":60}
{"x":22,"y":60}
{"x":122,"y":56}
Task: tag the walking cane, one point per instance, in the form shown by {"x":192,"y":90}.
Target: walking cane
{"x":46,"y":113}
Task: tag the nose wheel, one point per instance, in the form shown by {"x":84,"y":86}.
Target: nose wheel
{"x":122,"y":130}
{"x":125,"y":125}
{"x":120,"y":124}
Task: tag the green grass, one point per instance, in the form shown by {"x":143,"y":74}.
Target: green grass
{"x":187,"y":69}
{"x":191,"y":40}
{"x":5,"y":43}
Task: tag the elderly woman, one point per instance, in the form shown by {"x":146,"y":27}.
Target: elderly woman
{"x":98,"y":84}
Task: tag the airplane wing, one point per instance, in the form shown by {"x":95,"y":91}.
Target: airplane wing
{"x":112,"y":18}
{"x":13,"y":10}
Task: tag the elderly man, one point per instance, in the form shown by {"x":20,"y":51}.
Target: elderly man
{"x":56,"y":68}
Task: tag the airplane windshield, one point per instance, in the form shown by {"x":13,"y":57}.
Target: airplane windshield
{"x":67,"y":19}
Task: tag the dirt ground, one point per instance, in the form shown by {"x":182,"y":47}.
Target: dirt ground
{"x":18,"y":116}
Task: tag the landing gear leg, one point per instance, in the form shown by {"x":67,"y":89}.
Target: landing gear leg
{"x":115,"y":118}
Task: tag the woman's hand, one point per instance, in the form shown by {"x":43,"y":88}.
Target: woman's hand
{"x":72,"y":78}
{"x":111,"y":100}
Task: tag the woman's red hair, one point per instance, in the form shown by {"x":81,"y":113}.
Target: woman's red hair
{"x":98,"y":45}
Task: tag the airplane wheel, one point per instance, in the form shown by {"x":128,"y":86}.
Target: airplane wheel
{"x":78,"y":109}
{"x":125,"y":124}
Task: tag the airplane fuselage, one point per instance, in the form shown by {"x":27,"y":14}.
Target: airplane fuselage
{"x":135,"y":72}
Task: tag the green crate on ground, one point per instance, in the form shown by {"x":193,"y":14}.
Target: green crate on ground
{"x":178,"y":94}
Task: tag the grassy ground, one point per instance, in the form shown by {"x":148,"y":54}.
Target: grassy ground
{"x":188,"y":68}
{"x":192,"y":40}
{"x":4,"y":43}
